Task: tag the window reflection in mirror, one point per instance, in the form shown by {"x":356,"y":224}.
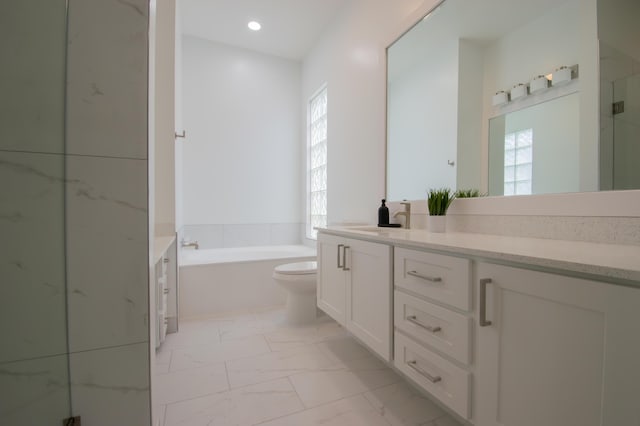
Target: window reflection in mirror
{"x":535,"y":150}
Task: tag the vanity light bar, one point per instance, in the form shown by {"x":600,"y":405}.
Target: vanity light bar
{"x":539,"y":83}
{"x":562,"y":75}
{"x":519,"y":91}
{"x":500,"y":98}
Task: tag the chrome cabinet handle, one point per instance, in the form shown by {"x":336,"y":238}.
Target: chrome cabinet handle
{"x":414,"y":366}
{"x":483,"y":302}
{"x":414,"y":320}
{"x":339,"y":265}
{"x":165,"y":291}
{"x":424,"y":277}
{"x":344,"y":259}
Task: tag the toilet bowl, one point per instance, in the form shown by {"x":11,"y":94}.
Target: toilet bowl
{"x":299,"y":281}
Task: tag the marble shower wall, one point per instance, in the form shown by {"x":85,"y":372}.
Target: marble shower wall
{"x":74,"y":212}
{"x":107,"y":211}
{"x":34,"y":373}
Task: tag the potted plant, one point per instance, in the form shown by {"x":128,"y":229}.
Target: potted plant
{"x":438,"y":201}
{"x":468,"y":193}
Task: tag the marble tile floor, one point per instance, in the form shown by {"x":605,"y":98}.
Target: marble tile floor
{"x":253,"y":369}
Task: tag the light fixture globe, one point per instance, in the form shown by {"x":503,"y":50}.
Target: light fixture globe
{"x":254,"y":26}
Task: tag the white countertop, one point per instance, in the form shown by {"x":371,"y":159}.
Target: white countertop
{"x":160,"y":245}
{"x":608,"y":262}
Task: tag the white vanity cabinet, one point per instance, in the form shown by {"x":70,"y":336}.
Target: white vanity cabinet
{"x":354,"y":288}
{"x":433,"y":324}
{"x":554,"y":350}
{"x":525,"y":342}
{"x":166,"y":288}
{"x":162,"y":290}
{"x":331,"y":289}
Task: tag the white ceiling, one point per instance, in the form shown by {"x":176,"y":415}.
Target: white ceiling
{"x":290,"y":28}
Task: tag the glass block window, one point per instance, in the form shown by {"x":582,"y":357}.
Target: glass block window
{"x":518,"y":162}
{"x":317,"y":163}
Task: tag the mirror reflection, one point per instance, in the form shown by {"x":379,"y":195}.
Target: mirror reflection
{"x":444,"y":129}
{"x":535,"y":150}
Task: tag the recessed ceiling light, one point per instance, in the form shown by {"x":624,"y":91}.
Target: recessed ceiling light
{"x":253,"y":25}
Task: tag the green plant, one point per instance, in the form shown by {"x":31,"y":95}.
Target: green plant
{"x":468,"y":193}
{"x":439,"y":200}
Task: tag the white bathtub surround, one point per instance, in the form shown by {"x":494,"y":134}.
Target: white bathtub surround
{"x":323,"y":377}
{"x":244,"y":254}
{"x":216,"y":281}
{"x":242,"y":235}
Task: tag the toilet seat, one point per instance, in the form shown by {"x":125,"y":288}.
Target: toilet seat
{"x":299,"y":268}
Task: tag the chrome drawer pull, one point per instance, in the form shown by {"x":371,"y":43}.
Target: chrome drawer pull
{"x":414,"y":366}
{"x":483,"y":302}
{"x":414,"y":320}
{"x":344,"y":258}
{"x":424,"y":277}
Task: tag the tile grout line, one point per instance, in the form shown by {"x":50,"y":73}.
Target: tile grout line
{"x":226,"y":371}
{"x":164,"y":415}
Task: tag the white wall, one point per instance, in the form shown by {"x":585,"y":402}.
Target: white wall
{"x":618,"y":25}
{"x":179,"y":123}
{"x":350,"y":58}
{"x":164,"y":113}
{"x":242,"y":117}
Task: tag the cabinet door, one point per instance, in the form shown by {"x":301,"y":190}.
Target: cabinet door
{"x":331,"y":290}
{"x":369,"y":294}
{"x":559,"y":351}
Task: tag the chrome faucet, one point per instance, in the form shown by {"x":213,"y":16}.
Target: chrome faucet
{"x":406,"y":213}
{"x":187,"y":243}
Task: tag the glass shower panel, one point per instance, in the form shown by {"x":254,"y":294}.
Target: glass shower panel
{"x":626,"y":133}
{"x":34,"y":374}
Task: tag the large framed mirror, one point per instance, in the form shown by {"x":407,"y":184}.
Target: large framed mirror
{"x":445,"y":129}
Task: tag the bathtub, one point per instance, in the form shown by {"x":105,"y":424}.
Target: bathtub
{"x":217,"y":281}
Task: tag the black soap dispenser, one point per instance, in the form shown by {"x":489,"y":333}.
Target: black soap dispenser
{"x":383,"y":214}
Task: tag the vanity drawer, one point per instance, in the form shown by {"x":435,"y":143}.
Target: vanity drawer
{"x":445,"y":330}
{"x":442,"y":379}
{"x":446,"y":279}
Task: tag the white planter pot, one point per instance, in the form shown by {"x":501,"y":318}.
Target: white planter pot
{"x":436,"y":223}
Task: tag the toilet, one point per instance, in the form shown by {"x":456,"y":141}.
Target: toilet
{"x":299,"y":281}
